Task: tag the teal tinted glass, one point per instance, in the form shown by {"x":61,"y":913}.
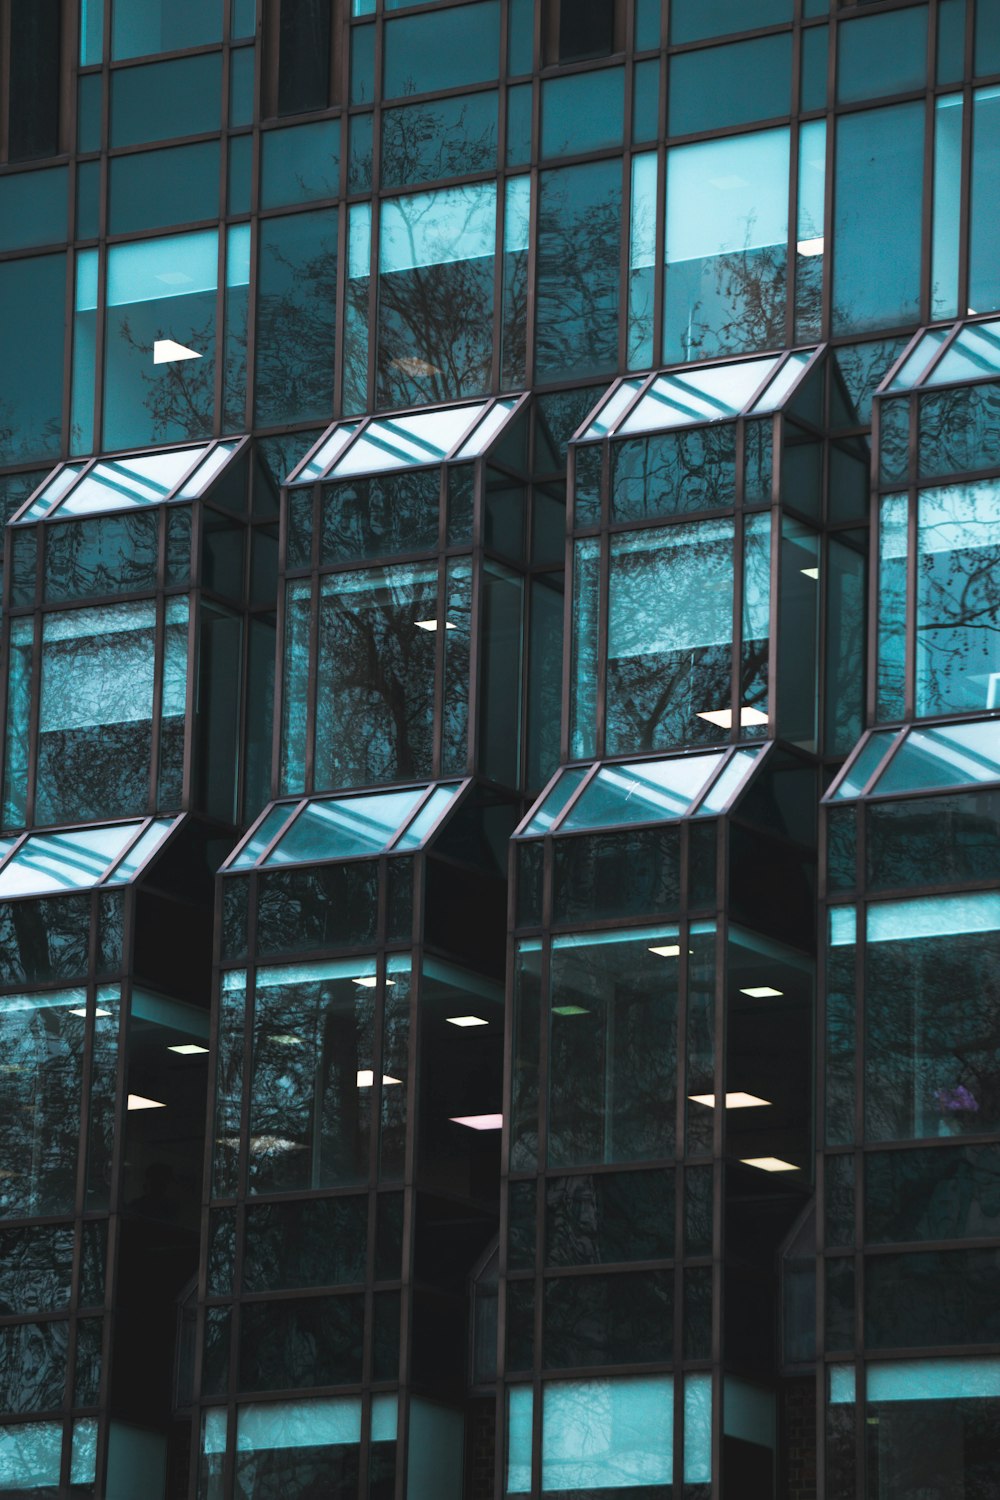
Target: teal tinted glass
{"x":951,"y":41}
{"x":876,"y":257}
{"x":88,"y":200}
{"x":443,"y":138}
{"x":987,"y":43}
{"x":812,"y":83}
{"x":958,"y":622}
{"x":647,"y":24}
{"x":442,"y":50}
{"x":33,"y":208}
{"x":49,"y":862}
{"x":730,"y":85}
{"x":33,"y":298}
{"x":296,"y":318}
{"x":521,"y":37}
{"x":695,"y":20}
{"x":646,"y":101}
{"x":241,"y":70}
{"x":552,"y":805}
{"x":240,"y":172}
{"x":860,"y":770}
{"x":583,"y":112}
{"x":984,"y":276}
{"x":880,"y":55}
{"x":300,"y":163}
{"x":152,"y":190}
{"x":948,"y":755}
{"x":359,"y":163}
{"x":340,"y":827}
{"x":88,"y":107}
{"x":262,"y":835}
{"x":975,"y":352}
{"x":519,"y":111}
{"x":160,"y":100}
{"x":243,"y":17}
{"x":142,"y":850}
{"x":642,"y":793}
{"x":142,"y":27}
{"x":433,"y":809}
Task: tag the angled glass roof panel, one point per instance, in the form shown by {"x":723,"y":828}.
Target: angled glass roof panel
{"x":64,"y":860}
{"x":328,"y":450}
{"x":127,"y":868}
{"x":257,"y":840}
{"x":725,"y":786}
{"x":643,"y":792}
{"x":340,"y":827}
{"x":974,"y":353}
{"x":911,"y":370}
{"x":611,"y":408}
{"x":206,"y":471}
{"x":53,"y":492}
{"x":477,"y":442}
{"x":124,"y":483}
{"x":945,"y":755}
{"x":417,"y":831}
{"x":861,"y":764}
{"x":424,"y":437}
{"x":777,"y":388}
{"x":545,"y":812}
{"x":714,"y":393}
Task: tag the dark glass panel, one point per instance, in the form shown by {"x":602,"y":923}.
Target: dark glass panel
{"x":399,"y":901}
{"x":693,"y":20}
{"x":520,"y":1324}
{"x":330,"y":906}
{"x":443,"y":138}
{"x":841,"y":849}
{"x":583,"y":112}
{"x":602,"y":1218}
{"x":608,"y":1320}
{"x":385,"y":1336}
{"x":442,"y":51}
{"x":385,"y":516}
{"x":932,"y":1297}
{"x":947,"y":1193}
{"x":530,"y":864}
{"x":327,"y":1470}
{"x":698,"y":1312}
{"x":839,"y":1201}
{"x":221,"y":1252}
{"x":674,"y":473}
{"x":579,"y":250}
{"x":304,"y":1342}
{"x":140,"y":27}
{"x":32,"y":1366}
{"x":110,"y":931}
{"x":839,"y":1050}
{"x":616,"y":875}
{"x":698,"y":1210}
{"x":42,"y":1040}
{"x":215,"y":1351}
{"x":525,"y":1081}
{"x":93,"y":1254}
{"x":321,"y":1242}
{"x":33,"y":68}
{"x":959,"y":430}
{"x":946,"y":1446}
{"x":884,"y":54}
{"x":33,"y":297}
{"x":87,"y":1373}
{"x":160,"y":100}
{"x":586,"y":29}
{"x":894,"y":439}
{"x":235,"y":916}
{"x":725,"y":86}
{"x":521,"y":1223}
{"x":36,"y":1269}
{"x":303,"y":55}
{"x":840,"y":1302}
{"x":703,"y":840}
{"x":105,"y":555}
{"x":153,"y":191}
{"x":933,"y":840}
{"x":296,"y":302}
{"x":389,"y":1237}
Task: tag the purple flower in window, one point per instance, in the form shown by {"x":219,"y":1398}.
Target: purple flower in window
{"x":953,"y":1101}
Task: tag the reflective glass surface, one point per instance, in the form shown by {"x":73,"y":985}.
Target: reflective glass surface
{"x":944,"y":756}
{"x":643,"y":792}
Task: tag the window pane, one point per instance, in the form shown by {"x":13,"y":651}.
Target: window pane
{"x":139,"y":27}
{"x":958,"y":606}
{"x":40,"y":1091}
{"x":33,"y":297}
{"x":732,"y":85}
{"x":296,"y":318}
{"x":579,"y":248}
{"x":607,"y":1434}
{"x":454,"y":48}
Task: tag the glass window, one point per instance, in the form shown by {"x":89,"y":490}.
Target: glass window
{"x":937,"y":1420}
{"x":314,"y":1096}
{"x":884,"y":54}
{"x":734,"y":85}
{"x":643,"y":792}
{"x":435,"y":307}
{"x":670,"y":633}
{"x":31,"y":1454}
{"x":930,"y":1000}
{"x":876,"y":268}
{"x":693,"y":20}
{"x":984,"y":280}
{"x":337,"y":828}
{"x":33,"y":209}
{"x":454,"y":47}
{"x":950,"y":755}
{"x":958,"y":608}
{"x":300,"y":163}
{"x":579,"y":250}
{"x":607,"y":1434}
{"x":296,"y":318}
{"x":152,"y":190}
{"x":140,"y":27}
{"x":725,"y":279}
{"x":583,"y":112}
{"x":613,"y":1046}
{"x":33,"y":297}
{"x":892,"y":564}
{"x":442,"y":138}
{"x":160,"y":100}
{"x":304,"y":37}
{"x":160,"y":355}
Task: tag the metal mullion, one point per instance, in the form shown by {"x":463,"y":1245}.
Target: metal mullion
{"x":603,"y":604}
{"x":965,"y":190}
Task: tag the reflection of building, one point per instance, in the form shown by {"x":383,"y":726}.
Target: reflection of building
{"x":499,"y":875}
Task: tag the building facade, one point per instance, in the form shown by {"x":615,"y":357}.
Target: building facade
{"x":500,"y":749}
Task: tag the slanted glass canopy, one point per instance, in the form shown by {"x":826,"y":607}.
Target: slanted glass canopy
{"x":948,"y":356}
{"x":128,"y":482}
{"x":615,"y":795}
{"x":77,"y":859}
{"x":711,"y":393}
{"x":893,"y":762}
{"x":378,"y":444}
{"x":322,"y":828}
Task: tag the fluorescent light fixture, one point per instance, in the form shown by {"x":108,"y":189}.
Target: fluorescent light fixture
{"x":570,"y":1010}
{"x":762,"y":992}
{"x":81,"y":1010}
{"x":366,"y":1078}
{"x":737,"y":1100}
{"x":668,"y":950}
{"x":810,"y":247}
{"x":432,"y":625}
{"x":769,"y":1163}
{"x":466,"y":1021}
{"x":722,"y":718}
{"x":809,"y":572}
{"x":478,"y":1122}
{"x":137,"y":1101}
{"x":187,"y":1049}
{"x":370,"y":981}
{"x":168,"y":352}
